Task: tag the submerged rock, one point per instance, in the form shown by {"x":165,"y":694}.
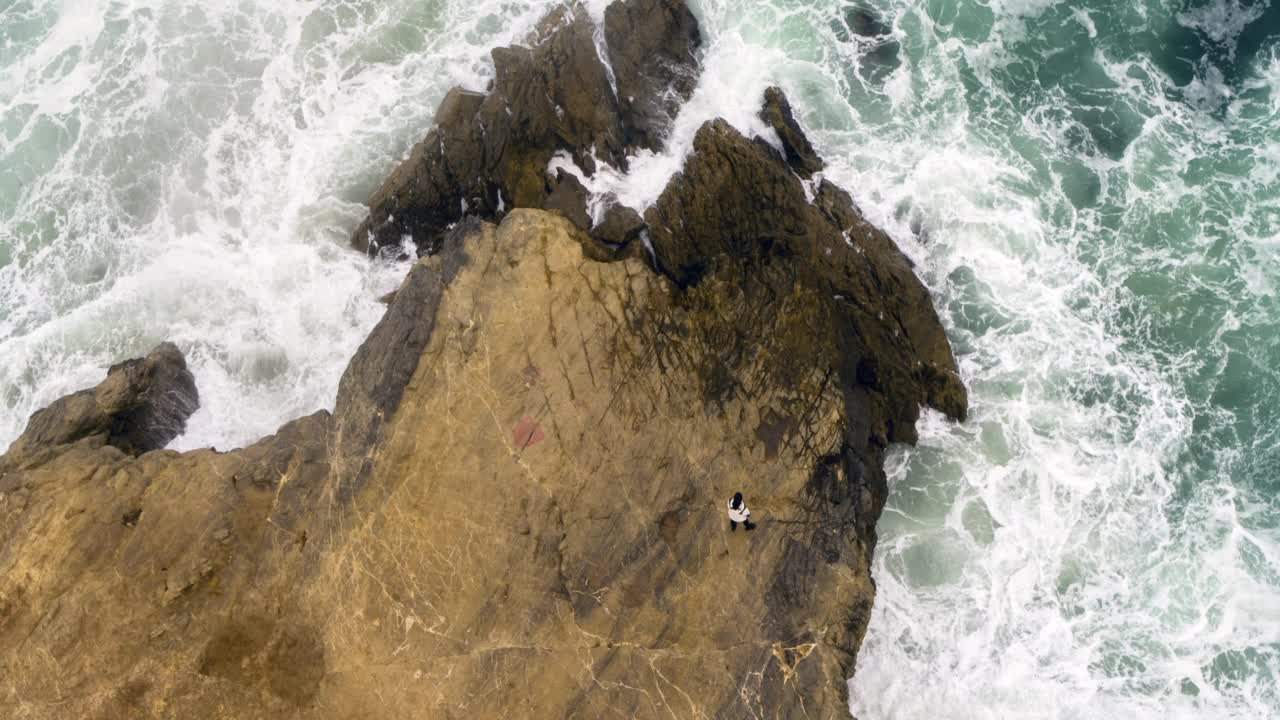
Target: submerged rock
{"x":865,"y":22}
{"x":874,"y":36}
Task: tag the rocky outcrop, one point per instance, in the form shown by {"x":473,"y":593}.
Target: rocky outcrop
{"x":515,"y":509}
{"x":651,"y":51}
{"x":141,"y":406}
{"x":737,"y":200}
{"x":517,"y":506}
{"x":796,"y":148}
{"x":489,"y":152}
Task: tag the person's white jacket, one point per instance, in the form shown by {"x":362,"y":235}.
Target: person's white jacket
{"x":740,"y":514}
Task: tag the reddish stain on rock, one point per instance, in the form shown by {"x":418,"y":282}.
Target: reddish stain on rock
{"x":527,"y":432}
{"x":531,"y":374}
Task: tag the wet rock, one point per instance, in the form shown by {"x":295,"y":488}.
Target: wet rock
{"x":777,"y":114}
{"x":736,"y":202}
{"x":569,"y":198}
{"x":619,"y":227}
{"x":140,"y":406}
{"x":489,"y":152}
{"x":652,"y":48}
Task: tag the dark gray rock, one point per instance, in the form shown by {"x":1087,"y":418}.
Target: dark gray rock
{"x":652,"y":48}
{"x":777,"y":114}
{"x":619,"y":227}
{"x":489,"y":152}
{"x":737,"y":203}
{"x":569,"y":198}
{"x":141,"y":405}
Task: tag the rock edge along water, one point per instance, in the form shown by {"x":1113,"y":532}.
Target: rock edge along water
{"x":489,"y":151}
{"x":516,"y":507}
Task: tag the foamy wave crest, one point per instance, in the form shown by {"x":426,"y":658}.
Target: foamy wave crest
{"x":191,"y":172}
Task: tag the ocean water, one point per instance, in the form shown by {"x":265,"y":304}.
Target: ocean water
{"x":1091,"y":190}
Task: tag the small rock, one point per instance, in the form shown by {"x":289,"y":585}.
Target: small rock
{"x":569,"y":198}
{"x":619,"y":227}
{"x":221,"y":534}
{"x":141,"y":405}
{"x":799,"y":152}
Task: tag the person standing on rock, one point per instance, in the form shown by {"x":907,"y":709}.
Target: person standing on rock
{"x":738,"y":513}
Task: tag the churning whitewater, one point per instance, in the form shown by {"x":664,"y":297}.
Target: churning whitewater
{"x":1090,"y":189}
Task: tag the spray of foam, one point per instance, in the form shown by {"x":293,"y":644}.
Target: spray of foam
{"x":191,"y":172}
{"x":734,"y":77}
{"x":1046,"y":560}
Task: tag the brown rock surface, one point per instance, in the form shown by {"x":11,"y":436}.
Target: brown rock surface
{"x":142,"y":405}
{"x":516,"y":510}
{"x":517,"y":506}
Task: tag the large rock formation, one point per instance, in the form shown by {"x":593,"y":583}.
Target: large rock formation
{"x":738,"y":200}
{"x":489,"y":152}
{"x":517,"y":507}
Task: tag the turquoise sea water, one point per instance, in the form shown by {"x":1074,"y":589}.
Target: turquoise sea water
{"x":1091,"y":189}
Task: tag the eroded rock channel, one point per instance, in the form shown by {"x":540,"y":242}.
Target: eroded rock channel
{"x":516,"y":508}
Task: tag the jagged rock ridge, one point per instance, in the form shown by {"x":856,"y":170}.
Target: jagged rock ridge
{"x":516,"y":508}
{"x":489,"y":151}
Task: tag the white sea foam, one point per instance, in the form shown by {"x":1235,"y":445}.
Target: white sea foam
{"x":190,"y":173}
{"x":734,"y":77}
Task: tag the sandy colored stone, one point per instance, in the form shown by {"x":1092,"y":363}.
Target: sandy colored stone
{"x":447,"y":562}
